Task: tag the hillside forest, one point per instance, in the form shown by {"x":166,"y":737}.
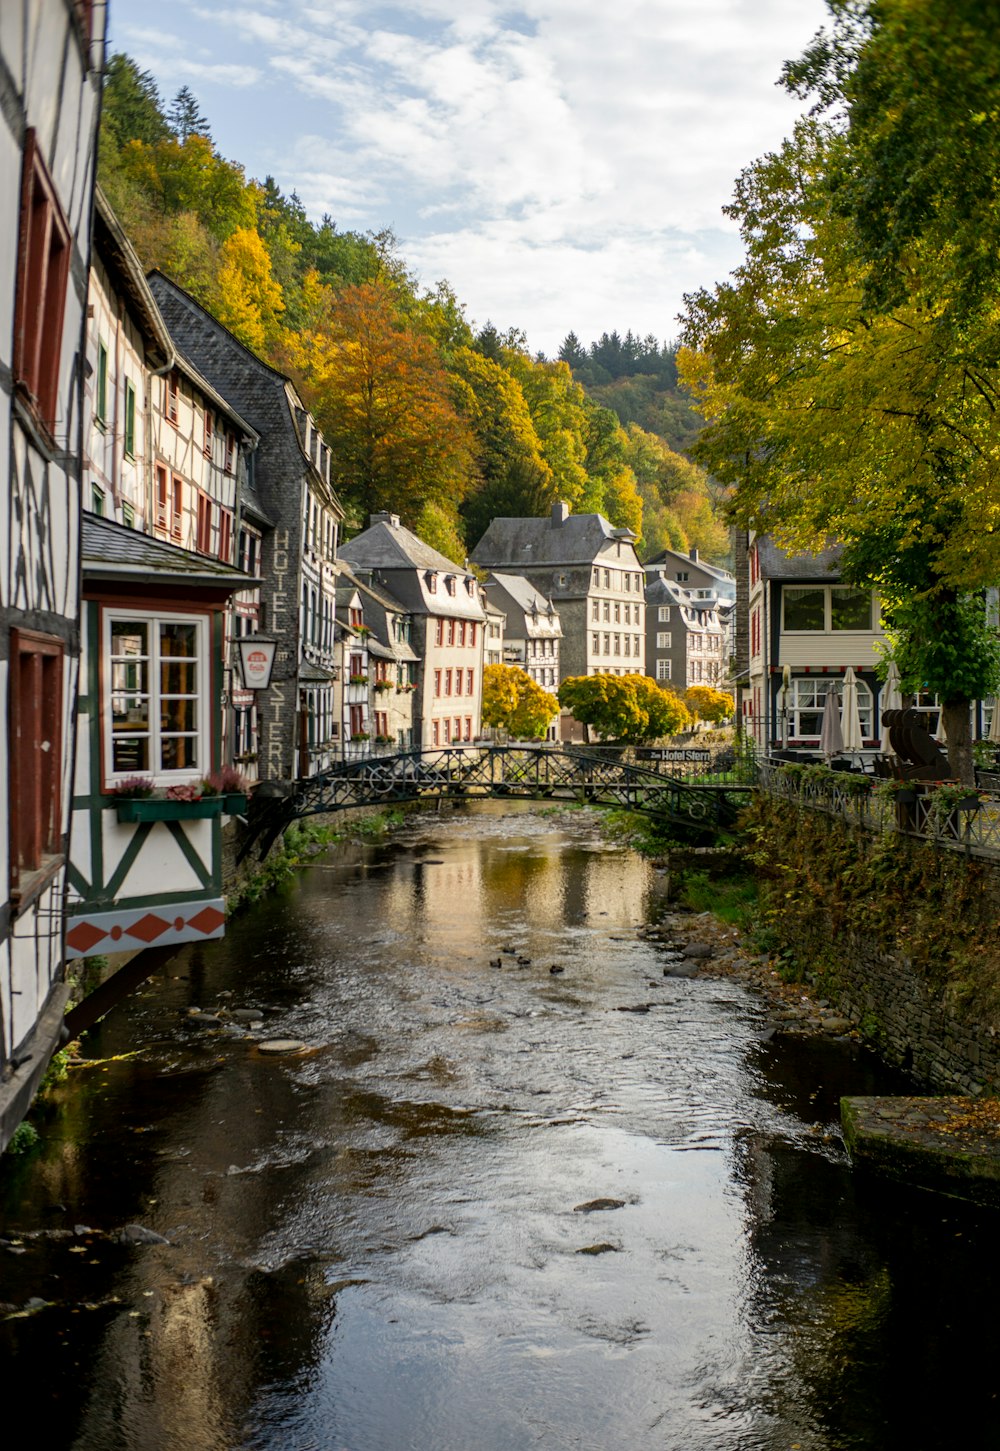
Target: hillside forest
{"x":446,"y":424}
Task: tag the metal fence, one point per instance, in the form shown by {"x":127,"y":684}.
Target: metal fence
{"x":968,"y":823}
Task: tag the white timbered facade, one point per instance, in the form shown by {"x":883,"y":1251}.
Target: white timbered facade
{"x":51,"y":56}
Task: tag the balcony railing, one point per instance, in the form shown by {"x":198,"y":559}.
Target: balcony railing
{"x":953,"y":817}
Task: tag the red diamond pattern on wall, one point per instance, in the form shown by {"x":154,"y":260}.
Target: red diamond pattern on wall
{"x":84,"y":937}
{"x":207,"y":920}
{"x":148,"y":928}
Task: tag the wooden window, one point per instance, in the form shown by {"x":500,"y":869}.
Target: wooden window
{"x":42,"y":274}
{"x":468,"y":727}
{"x":458,"y":682}
{"x":162,"y":499}
{"x":225,"y":535}
{"x":436,"y":732}
{"x":129,"y":439}
{"x":177,"y":508}
{"x":447,"y":682}
{"x":101,"y":385}
{"x":356,"y":617}
{"x":437,"y":682}
{"x":451,"y":632}
{"x":461,"y":633}
{"x":173,"y":389}
{"x":472,"y":635}
{"x":358,"y":666}
{"x":157,"y":711}
{"x":97,"y":500}
{"x":468,"y":682}
{"x":230,"y":453}
{"x":209,"y":433}
{"x":439,"y":633}
{"x":206,"y":510}
{"x":36,"y":729}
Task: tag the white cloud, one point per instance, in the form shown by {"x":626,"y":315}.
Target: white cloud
{"x":555,"y":159}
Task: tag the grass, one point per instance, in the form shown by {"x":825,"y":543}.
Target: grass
{"x":732,"y":899}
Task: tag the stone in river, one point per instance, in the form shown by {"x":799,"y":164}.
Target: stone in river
{"x":139,"y":1234}
{"x":598,"y":1249}
{"x":593,"y":1204}
{"x":281,"y":1045}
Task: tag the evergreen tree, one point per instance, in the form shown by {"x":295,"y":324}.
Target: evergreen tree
{"x":186,"y":117}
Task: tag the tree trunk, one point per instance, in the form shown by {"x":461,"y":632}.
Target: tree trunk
{"x":958,"y":731}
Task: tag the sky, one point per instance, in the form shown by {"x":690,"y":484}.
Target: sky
{"x":563,"y":164}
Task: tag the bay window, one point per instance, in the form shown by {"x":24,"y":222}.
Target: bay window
{"x":806,"y":699}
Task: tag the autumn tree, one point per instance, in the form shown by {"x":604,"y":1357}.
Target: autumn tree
{"x":515,"y":703}
{"x":849,"y":368}
{"x":706,"y":703}
{"x":384,"y":401}
{"x":249,"y":300}
{"x":627,"y":708}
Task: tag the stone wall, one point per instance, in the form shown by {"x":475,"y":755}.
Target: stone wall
{"x":902,"y":936}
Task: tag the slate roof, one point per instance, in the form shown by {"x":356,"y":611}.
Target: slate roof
{"x":579,"y":539}
{"x":385,"y":546}
{"x":776,"y":564}
{"x":114,"y":552}
{"x":668,"y":556}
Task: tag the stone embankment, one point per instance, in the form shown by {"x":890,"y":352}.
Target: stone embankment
{"x":696,"y":943}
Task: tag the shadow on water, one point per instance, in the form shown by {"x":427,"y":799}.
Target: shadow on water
{"x":385,"y":1240}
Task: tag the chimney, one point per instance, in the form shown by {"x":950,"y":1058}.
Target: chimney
{"x":560,"y":513}
{"x":384,"y":518}
{"x":693,"y":556}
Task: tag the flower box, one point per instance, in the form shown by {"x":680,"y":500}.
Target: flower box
{"x":153,"y":808}
{"x":235,"y":803}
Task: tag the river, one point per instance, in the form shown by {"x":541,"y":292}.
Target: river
{"x":378,"y":1244}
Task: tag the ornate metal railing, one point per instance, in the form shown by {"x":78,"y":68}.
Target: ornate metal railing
{"x":968,"y":821}
{"x":511,"y":772}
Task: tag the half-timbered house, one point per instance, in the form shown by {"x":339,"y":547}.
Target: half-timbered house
{"x":51,"y":57}
{"x":299,"y":570}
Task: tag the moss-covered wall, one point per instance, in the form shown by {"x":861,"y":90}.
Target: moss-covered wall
{"x":902,"y":936}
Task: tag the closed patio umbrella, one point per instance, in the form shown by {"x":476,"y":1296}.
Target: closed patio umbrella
{"x":831,"y":740}
{"x":850,"y":715}
{"x":993,"y":734}
{"x":891,"y":698}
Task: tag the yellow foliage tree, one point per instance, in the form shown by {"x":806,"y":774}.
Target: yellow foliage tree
{"x":706,"y":703}
{"x":513,"y":702}
{"x":249,"y":300}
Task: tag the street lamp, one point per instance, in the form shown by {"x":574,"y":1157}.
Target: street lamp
{"x":256,"y":656}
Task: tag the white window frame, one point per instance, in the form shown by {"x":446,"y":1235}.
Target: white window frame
{"x":828,"y":591}
{"x":153,"y":619}
{"x":663,"y":638}
{"x":663,"y":614}
{"x":663,"y":669}
{"x":818,"y":688}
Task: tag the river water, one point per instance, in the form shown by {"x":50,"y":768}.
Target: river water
{"x":378,"y":1244}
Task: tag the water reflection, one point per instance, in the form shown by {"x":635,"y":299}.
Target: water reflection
{"x":378,"y":1243}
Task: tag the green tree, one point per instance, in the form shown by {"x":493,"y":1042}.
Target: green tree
{"x":186,"y":117}
{"x":515,"y":703}
{"x":849,"y":367}
{"x":131,"y":108}
{"x":627,"y":708}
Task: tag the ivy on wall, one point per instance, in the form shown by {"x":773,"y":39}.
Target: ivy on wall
{"x":824,"y":882}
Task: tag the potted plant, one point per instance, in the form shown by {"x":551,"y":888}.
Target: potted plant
{"x":359,"y":736}
{"x":358,"y":680}
{"x":231,"y":785}
{"x":946,"y":801}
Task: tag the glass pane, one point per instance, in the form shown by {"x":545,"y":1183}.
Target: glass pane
{"x":804,"y":609}
{"x":129,"y":640}
{"x":178,"y":677}
{"x":179,"y":639}
{"x":179,"y":753}
{"x":130,"y":754}
{"x":850,"y":609}
{"x":178,"y":715}
{"x":129,"y":713}
{"x":810,"y":723}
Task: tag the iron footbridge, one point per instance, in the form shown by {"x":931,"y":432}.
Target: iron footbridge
{"x":476,"y":773}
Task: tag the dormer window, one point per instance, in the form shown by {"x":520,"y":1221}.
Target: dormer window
{"x":432,"y":582}
{"x":449,"y":583}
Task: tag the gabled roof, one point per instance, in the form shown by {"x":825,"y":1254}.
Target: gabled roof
{"x":393,"y":546}
{"x":670,"y":556}
{"x":112,"y":551}
{"x":519,"y":543}
{"x":523,"y":593}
